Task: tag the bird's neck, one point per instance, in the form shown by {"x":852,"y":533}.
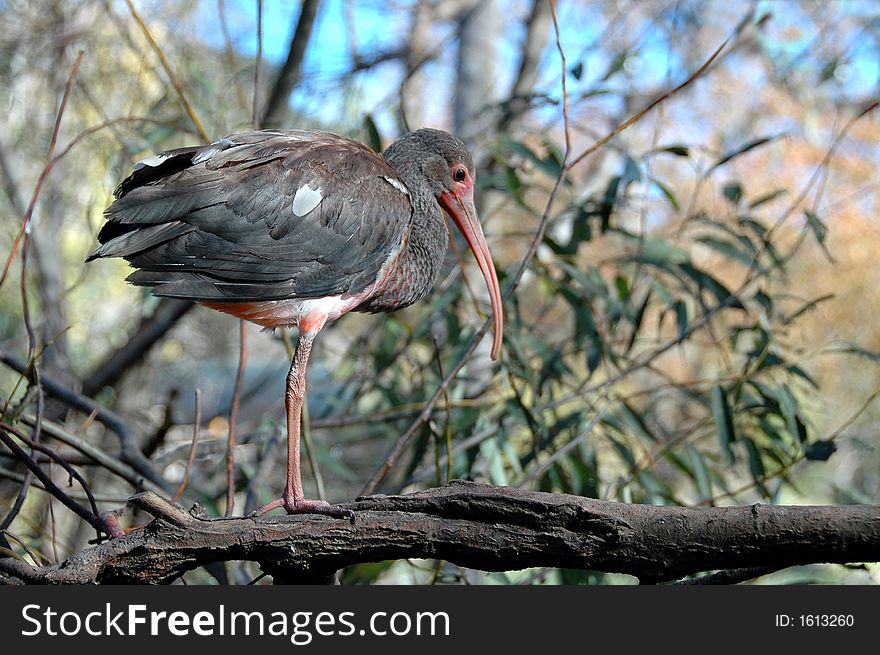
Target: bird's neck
{"x":415,"y":270}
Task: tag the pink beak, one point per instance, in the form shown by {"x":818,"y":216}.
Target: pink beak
{"x":463,"y":212}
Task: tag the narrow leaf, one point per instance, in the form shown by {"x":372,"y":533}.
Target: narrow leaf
{"x":701,"y":473}
{"x":723,"y":422}
{"x":820,"y":450}
{"x":373,"y":138}
{"x":751,"y":145}
{"x":667,"y":192}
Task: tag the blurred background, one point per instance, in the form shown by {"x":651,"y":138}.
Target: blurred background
{"x":695,"y":327}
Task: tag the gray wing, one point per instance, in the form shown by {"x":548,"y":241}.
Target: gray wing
{"x":258,"y":216}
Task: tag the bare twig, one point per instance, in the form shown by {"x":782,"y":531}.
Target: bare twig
{"x":258,"y":69}
{"x":230,"y":55}
{"x":98,"y":455}
{"x":22,"y":239}
{"x":564,"y":84}
{"x":47,"y":168}
{"x":638,"y":115}
{"x":92,"y":519}
{"x":233,"y":417}
{"x":192,"y":448}
{"x":184,"y":101}
{"x":130,"y":450}
{"x":55,"y":457}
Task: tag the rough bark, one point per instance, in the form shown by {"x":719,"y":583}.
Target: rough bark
{"x":482,"y":527}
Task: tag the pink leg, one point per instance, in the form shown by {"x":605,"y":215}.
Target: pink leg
{"x":293,"y":500}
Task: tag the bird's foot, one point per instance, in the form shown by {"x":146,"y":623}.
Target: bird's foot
{"x":303,"y":506}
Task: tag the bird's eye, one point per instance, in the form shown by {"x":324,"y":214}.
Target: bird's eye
{"x":459,"y":175}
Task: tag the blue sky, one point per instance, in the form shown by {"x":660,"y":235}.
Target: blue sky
{"x":380,"y":27}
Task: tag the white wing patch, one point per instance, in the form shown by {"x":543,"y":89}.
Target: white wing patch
{"x":153,"y":161}
{"x":397,"y":184}
{"x":306,"y":199}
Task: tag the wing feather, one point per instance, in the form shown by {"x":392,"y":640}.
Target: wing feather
{"x":217,"y":223}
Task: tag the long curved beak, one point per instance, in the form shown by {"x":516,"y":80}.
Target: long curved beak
{"x":463,"y":212}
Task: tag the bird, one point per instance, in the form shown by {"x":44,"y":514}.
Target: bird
{"x":294,"y":228}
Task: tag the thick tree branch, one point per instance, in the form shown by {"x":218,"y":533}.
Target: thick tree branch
{"x":147,"y":334}
{"x":290,"y":73}
{"x":482,"y":527}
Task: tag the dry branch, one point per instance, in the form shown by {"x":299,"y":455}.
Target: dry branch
{"x":482,"y":527}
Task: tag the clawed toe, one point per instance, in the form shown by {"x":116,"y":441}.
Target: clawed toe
{"x":302,"y":506}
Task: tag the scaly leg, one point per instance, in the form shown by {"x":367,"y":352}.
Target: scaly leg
{"x":293,"y":500}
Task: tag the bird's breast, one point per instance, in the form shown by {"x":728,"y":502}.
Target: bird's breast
{"x":306,"y":314}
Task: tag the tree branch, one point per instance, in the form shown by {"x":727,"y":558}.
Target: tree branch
{"x":130,"y":452}
{"x":290,"y":73}
{"x":482,"y":527}
{"x":150,"y":331}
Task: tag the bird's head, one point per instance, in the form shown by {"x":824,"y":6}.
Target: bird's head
{"x":440,"y":162}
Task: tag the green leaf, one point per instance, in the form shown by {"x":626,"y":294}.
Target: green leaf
{"x":723,"y":421}
{"x":765,"y":301}
{"x":489,"y":449}
{"x":615,"y":65}
{"x":676,"y":149}
{"x":636,"y":422}
{"x":756,"y":464}
{"x":577,"y":70}
{"x":820,"y":450}
{"x":820,"y":231}
{"x":657,"y":491}
{"x":594,"y":357}
{"x":790,"y":411}
{"x":681,"y":318}
{"x":666,"y":191}
{"x":514,"y":184}
{"x":550,"y":165}
{"x":769,"y":429}
{"x":637,"y":321}
{"x":701,"y":473}
{"x":767,"y":197}
{"x":723,"y":295}
{"x":580,"y":232}
{"x":622,"y":287}
{"x":729,"y":249}
{"x":801,"y":373}
{"x":631,"y":172}
{"x":733,"y":191}
{"x":584,"y":324}
{"x":373,"y":138}
{"x":609,"y":200}
{"x":660,"y":253}
{"x":751,"y":145}
{"x":816,"y":224}
{"x":625,"y":453}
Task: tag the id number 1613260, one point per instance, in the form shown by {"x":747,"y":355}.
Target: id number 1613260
{"x":815,"y":621}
